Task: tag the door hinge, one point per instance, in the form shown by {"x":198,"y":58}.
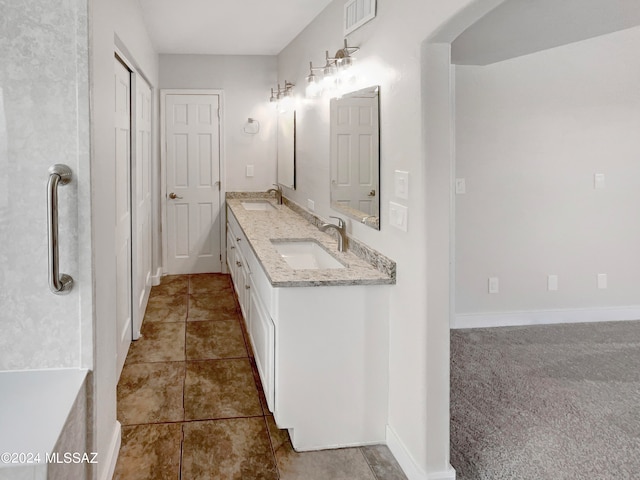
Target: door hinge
{"x":219,"y":113}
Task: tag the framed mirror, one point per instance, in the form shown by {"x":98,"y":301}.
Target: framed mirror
{"x":287,"y":149}
{"x":355,"y":155}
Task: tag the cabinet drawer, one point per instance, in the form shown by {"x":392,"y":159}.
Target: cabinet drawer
{"x":238,"y":235}
{"x":232,"y":224}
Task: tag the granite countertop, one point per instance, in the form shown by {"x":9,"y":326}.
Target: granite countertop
{"x":260,"y":227}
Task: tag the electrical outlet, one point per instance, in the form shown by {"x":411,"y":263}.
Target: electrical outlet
{"x":311,"y":205}
{"x":494,"y":285}
{"x":598,"y":180}
{"x":552,"y":283}
{"x":249,"y":170}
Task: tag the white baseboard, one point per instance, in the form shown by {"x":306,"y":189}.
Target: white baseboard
{"x":450,"y":474}
{"x":409,"y":465}
{"x":546,"y":317}
{"x":402,"y":455}
{"x":155,"y":279}
{"x":112,"y":454}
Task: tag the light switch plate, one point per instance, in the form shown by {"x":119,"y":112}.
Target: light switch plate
{"x":401,"y":180}
{"x":602,"y":281}
{"x":249,"y":170}
{"x":598,"y":180}
{"x":398,"y":216}
{"x":461,"y":186}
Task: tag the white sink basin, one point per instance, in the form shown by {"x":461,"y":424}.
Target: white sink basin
{"x":305,"y":255}
{"x":258,"y":205}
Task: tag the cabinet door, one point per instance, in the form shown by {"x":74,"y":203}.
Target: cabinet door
{"x":242,"y":273}
{"x":231,"y":257}
{"x":262,"y":333}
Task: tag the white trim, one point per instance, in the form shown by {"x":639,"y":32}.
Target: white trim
{"x":450,"y":474}
{"x":546,"y":317}
{"x":223,"y":186}
{"x":123,"y":58}
{"x":163,"y":163}
{"x":155,"y":279}
{"x":408,"y":464}
{"x":402,"y":455}
{"x":112,"y":453}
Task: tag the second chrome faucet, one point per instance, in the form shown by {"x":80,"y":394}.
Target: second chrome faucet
{"x":278,"y":192}
{"x":340,"y":228}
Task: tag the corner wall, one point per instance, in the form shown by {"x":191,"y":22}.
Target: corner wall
{"x":390,"y":56}
{"x":111,"y":22}
{"x":531,"y":132}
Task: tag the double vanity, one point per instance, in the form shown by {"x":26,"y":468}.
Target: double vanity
{"x":317,"y":319}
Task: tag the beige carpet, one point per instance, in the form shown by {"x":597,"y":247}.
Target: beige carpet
{"x":546,"y":402}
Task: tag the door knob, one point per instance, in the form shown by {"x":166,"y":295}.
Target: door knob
{"x":173,"y":196}
{"x":372,"y":193}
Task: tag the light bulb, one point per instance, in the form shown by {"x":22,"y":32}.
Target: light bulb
{"x":313,"y":90}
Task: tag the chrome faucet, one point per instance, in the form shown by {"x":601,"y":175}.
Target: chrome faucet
{"x":340,"y":228}
{"x":278,"y":192}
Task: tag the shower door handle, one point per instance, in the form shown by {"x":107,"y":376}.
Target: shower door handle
{"x":58,"y":175}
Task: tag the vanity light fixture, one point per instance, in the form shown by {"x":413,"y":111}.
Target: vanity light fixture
{"x":281,"y":93}
{"x":333,"y":71}
{"x":343,"y":56}
{"x":313,"y":83}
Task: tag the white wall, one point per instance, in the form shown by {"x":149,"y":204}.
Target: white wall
{"x":246,"y":81}
{"x":391,"y":56}
{"x":531,"y":133}
{"x":111,"y":22}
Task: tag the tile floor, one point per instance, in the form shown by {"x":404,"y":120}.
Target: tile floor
{"x":192,"y":407}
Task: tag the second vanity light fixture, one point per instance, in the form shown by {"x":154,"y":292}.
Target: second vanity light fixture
{"x":334,"y":71}
{"x":282,"y":97}
{"x":281,"y":93}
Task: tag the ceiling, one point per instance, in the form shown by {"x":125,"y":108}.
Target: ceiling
{"x":521,"y":27}
{"x":227,"y":27}
{"x":265,"y":27}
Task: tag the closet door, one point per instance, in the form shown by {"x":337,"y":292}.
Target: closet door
{"x":122,"y":115}
{"x":141,"y":195}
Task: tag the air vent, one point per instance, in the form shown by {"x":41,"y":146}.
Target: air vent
{"x":357,"y":13}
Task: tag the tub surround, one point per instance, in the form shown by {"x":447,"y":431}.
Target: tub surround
{"x":44,"y":416}
{"x":364,"y":266}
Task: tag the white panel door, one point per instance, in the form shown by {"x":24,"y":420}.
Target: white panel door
{"x":123,"y":210}
{"x":141,"y":194}
{"x":354,"y":145}
{"x":192,"y":133}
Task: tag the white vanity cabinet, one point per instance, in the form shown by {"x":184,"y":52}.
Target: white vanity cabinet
{"x":247,"y":274}
{"x":237,"y":263}
{"x":321,"y":352}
